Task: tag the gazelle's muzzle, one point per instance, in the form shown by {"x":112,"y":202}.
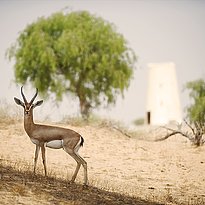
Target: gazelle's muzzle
{"x":27,"y":109}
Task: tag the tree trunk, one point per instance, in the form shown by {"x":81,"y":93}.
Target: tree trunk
{"x":84,"y":109}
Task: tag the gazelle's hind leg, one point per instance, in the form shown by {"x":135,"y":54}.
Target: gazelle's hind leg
{"x":79,"y":161}
{"x":77,"y":167}
{"x":84,"y":163}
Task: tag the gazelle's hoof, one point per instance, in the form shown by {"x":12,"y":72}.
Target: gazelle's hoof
{"x":85,"y":186}
{"x":71,"y":181}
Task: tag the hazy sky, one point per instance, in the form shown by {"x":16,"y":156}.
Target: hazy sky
{"x":158,"y":31}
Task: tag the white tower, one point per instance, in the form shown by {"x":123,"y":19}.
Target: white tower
{"x":163,"y":104}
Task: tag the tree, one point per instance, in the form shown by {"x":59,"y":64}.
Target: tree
{"x":76,"y":53}
{"x":196,"y":111}
{"x":195,"y":115}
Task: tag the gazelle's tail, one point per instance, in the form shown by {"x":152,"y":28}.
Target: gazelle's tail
{"x":82,"y":141}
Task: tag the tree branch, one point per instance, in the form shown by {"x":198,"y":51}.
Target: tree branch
{"x":121,"y":131}
{"x":174,"y":132}
{"x":190,"y":127}
{"x":167,"y":136}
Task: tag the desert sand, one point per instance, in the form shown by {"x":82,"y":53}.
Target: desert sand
{"x":170,"y":171}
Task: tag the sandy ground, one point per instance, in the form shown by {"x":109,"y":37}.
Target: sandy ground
{"x":170,"y":171}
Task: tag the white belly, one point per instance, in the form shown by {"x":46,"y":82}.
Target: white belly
{"x":55,"y":144}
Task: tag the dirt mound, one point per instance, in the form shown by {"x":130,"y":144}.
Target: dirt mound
{"x":17,"y":187}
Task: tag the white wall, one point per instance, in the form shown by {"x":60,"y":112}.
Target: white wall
{"x":163,"y":96}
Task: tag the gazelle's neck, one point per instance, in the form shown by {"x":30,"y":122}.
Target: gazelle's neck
{"x":28,"y":122}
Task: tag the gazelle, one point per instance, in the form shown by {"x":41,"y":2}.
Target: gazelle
{"x":51,"y":136}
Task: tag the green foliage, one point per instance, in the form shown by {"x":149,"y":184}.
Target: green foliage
{"x":196,"y":111}
{"x":77,"y":53}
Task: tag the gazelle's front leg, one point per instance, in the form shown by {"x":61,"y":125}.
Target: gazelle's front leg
{"x":36,"y":158}
{"x":43,"y":150}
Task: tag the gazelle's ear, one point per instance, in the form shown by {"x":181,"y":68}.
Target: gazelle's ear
{"x":38,"y":103}
{"x":19,"y":102}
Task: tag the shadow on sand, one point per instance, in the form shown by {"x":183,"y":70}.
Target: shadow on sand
{"x":63,"y":193}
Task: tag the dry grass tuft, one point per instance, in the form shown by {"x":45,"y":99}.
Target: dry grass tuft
{"x":97,"y":121}
{"x":78,"y":121}
{"x":8,"y":114}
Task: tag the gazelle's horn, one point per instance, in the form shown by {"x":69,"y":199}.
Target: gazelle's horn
{"x":34,"y":96}
{"x":24,"y":98}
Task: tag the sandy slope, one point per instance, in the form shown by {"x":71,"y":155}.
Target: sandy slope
{"x":171,"y":170}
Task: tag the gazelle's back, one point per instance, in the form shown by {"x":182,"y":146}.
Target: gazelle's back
{"x":46,"y":133}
